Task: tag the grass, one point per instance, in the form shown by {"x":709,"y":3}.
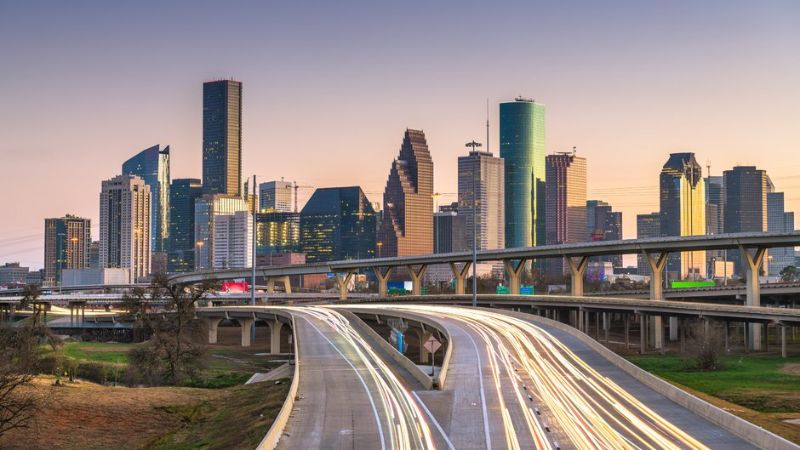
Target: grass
{"x":98,"y":352}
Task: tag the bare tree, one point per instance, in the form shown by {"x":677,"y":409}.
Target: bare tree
{"x":705,"y":345}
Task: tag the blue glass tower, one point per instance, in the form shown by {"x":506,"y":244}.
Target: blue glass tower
{"x":152,"y":165}
{"x":336,"y":224}
{"x":522,"y":147}
{"x":222,"y":137}
{"x":182,"y":196}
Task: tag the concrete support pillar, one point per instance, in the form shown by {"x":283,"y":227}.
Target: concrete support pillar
{"x":287,"y":284}
{"x":642,"y":333}
{"x":383,"y":280}
{"x":246,"y":324}
{"x":461,"y":276}
{"x":285,"y":280}
{"x":514,"y":272}
{"x":783,"y":341}
{"x":673,"y":328}
{"x":627,"y":331}
{"x":577,"y":268}
{"x":416,"y":278}
{"x":606,"y":326}
{"x":656,"y":264}
{"x":275,"y":336}
{"x":270,"y":285}
{"x":753,"y":263}
{"x":212,"y":324}
{"x":682,"y":324}
{"x":581,"y":326}
{"x":343,"y":280}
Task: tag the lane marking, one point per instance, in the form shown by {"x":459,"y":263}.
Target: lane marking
{"x":435,"y":422}
{"x":483,"y":395}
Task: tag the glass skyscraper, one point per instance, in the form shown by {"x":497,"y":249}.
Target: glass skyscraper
{"x":66,"y":246}
{"x":746,"y":189}
{"x":152,"y":166}
{"x":183,"y":193}
{"x":522,"y":147}
{"x":222,"y":137}
{"x":277,"y":232}
{"x":337,"y":223}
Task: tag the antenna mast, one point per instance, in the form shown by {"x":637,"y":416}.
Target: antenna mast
{"x":487,"y":126}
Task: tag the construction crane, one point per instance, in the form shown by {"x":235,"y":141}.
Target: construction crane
{"x":296,"y":187}
{"x":436,"y":196}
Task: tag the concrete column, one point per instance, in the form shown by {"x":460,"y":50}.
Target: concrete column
{"x":581,"y":326}
{"x":461,"y":276}
{"x":514,"y":270}
{"x":627,"y":331}
{"x":246,"y":324}
{"x":212,"y":324}
{"x":642,"y":334}
{"x":753,"y":263}
{"x":673,"y":328}
{"x":383,"y":280}
{"x":275,"y":336}
{"x":656,"y":264}
{"x":416,"y":278}
{"x":287,"y":284}
{"x":343,"y":281}
{"x":270,"y":285}
{"x":605,"y":326}
{"x":577,"y":270}
{"x":783,"y":341}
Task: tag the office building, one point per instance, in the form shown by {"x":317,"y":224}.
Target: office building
{"x":222,"y":137}
{"x":683,"y":212}
{"x":565,"y":200}
{"x":746,"y":189}
{"x":66,"y":246}
{"x":779,"y":221}
{"x":407,"y":223}
{"x":603,"y":224}
{"x":206,"y":209}
{"x":275,"y":196}
{"x":125,"y":206}
{"x":152,"y":166}
{"x":647,"y":226}
{"x":233,"y":240}
{"x":450,"y":234}
{"x":482,"y":173}
{"x":277,"y":232}
{"x":522,"y":147}
{"x":182,"y":196}
{"x":715,"y":224}
{"x":337,"y":223}
{"x":95,"y":276}
{"x":94,"y":255}
{"x":13,"y":275}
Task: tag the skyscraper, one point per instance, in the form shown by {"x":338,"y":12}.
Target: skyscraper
{"x":522,"y":147}
{"x":182,"y":195}
{"x":715,"y":224}
{"x":603,"y":224}
{"x":66,"y":246}
{"x":206,"y":210}
{"x":407,"y":224}
{"x":746,"y":190}
{"x":647,"y":226}
{"x":337,"y":223}
{"x":779,"y":221}
{"x":275,"y":196}
{"x":125,"y":206}
{"x":277,"y":232}
{"x":222,"y":137}
{"x":683,"y":211}
{"x":450,"y":233}
{"x":565,"y":199}
{"x":488,"y":183}
{"x":233,"y":240}
{"x":152,"y":166}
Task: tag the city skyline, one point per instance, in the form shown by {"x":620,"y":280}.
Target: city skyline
{"x":37,"y":126}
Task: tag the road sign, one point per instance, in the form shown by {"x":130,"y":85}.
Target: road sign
{"x":432,"y":344}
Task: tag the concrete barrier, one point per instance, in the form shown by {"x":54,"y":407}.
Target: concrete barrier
{"x":750,"y":432}
{"x":275,"y":432}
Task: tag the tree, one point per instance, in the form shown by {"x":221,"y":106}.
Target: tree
{"x":790,"y":274}
{"x":705,"y":345}
{"x":175,"y":349}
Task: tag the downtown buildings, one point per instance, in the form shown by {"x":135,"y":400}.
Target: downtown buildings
{"x":481,"y":195}
{"x":66,"y":246}
{"x":125,"y":208}
{"x":565,"y":202}
{"x":338,"y":223}
{"x":275,"y":196}
{"x":182,"y":196}
{"x":152,"y":166}
{"x":222,"y":137}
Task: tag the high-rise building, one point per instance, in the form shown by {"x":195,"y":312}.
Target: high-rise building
{"x":337,"y":223}
{"x":66,"y":246}
{"x":683,"y":211}
{"x":450,"y":234}
{"x":94,"y":255}
{"x":182,"y":195}
{"x":482,"y":173}
{"x":746,"y":190}
{"x":222,"y":137}
{"x":522,"y":147}
{"x":647,"y":226}
{"x":603,"y":224}
{"x":277,"y":232}
{"x":407,"y":223}
{"x":152,"y":166}
{"x":715,"y":195}
{"x":233,"y":240}
{"x":206,"y":210}
{"x":565,"y":200}
{"x":275,"y":196}
{"x":779,"y":221}
{"x":125,"y":206}
{"x":12,"y":275}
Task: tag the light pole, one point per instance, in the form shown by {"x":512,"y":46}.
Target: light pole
{"x":474,"y":145}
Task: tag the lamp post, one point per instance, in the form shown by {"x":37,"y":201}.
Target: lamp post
{"x":474,"y":145}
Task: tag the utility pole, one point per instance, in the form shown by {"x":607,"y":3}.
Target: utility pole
{"x":253,"y":263}
{"x":476,"y":164}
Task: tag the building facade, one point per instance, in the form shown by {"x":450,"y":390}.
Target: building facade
{"x":13,"y":275}
{"x":450,"y":233}
{"x":746,"y":189}
{"x":483,"y":174}
{"x":277,"y":232}
{"x":206,"y":210}
{"x":522,"y":147}
{"x":647,"y":226}
{"x":152,"y":166}
{"x":275,"y":196}
{"x":66,"y":246}
{"x":683,"y":212}
{"x":337,"y":223}
{"x":407,"y":222}
{"x":603,"y":224}
{"x":233,"y":240}
{"x":779,"y":221}
{"x":222,"y":137}
{"x":125,"y":207}
{"x":182,"y":195}
{"x":565,"y":200}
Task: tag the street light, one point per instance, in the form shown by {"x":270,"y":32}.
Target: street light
{"x":474,"y":145}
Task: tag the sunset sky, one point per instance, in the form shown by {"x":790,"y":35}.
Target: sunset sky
{"x":329,"y":87}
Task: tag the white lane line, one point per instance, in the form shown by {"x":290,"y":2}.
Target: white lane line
{"x":435,"y":422}
{"x":483,"y":395}
{"x":363,"y":383}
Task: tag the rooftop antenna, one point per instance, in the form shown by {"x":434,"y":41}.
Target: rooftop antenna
{"x":487,"y":125}
{"x":574,"y":150}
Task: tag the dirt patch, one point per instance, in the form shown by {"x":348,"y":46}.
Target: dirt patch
{"x":90,"y":416}
{"x":790,"y":369}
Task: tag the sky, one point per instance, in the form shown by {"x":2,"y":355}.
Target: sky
{"x":329,"y":88}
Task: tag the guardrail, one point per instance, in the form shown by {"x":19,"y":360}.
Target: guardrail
{"x":275,"y":432}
